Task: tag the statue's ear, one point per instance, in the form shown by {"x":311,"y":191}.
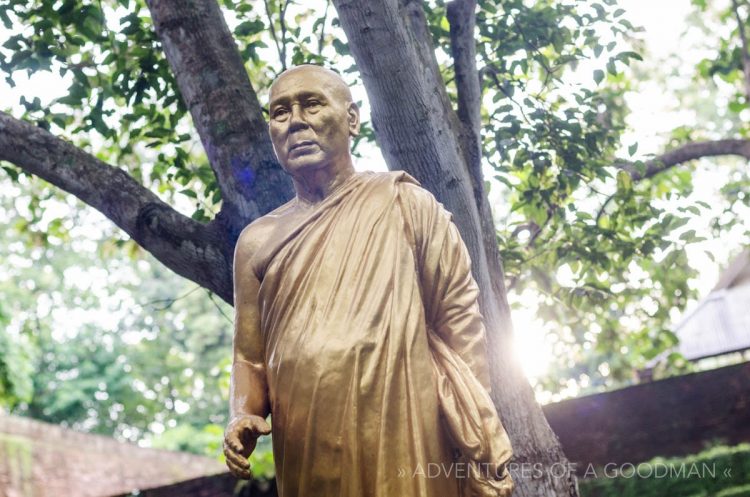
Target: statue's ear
{"x":353,"y":113}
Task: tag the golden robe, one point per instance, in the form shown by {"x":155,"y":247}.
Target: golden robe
{"x":375,"y":349}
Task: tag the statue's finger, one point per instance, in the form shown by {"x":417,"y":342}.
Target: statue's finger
{"x":232,"y":440}
{"x":261,"y":427}
{"x":236,"y":458}
{"x":239,"y":472}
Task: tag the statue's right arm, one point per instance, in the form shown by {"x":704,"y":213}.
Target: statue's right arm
{"x":248,"y":390}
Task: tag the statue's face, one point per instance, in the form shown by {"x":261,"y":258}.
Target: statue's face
{"x":312,"y":119}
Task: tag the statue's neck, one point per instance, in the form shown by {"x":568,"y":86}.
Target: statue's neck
{"x":316,"y":185}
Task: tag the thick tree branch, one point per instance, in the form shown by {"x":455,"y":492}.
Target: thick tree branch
{"x":322,"y":35}
{"x":686,"y":153}
{"x":745,"y":52}
{"x":678,"y":156}
{"x":225,"y":109}
{"x":462,"y":19}
{"x":279,"y":43}
{"x":188,"y":247}
{"x":282,"y":25}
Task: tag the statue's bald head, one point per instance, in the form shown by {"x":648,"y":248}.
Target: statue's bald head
{"x":312,"y":120}
{"x":317,"y":76}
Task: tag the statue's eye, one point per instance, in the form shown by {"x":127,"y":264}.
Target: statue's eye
{"x":280,"y":113}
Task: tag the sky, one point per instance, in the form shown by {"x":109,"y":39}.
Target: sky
{"x":654,"y":112}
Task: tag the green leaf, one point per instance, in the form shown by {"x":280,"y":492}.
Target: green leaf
{"x":248,"y":28}
{"x":624,"y":182}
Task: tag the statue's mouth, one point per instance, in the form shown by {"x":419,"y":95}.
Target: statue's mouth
{"x":302,"y":144}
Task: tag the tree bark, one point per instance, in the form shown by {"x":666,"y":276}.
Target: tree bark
{"x":187,"y":247}
{"x":213,"y":83}
{"x":389,"y":41}
{"x":462,"y":20}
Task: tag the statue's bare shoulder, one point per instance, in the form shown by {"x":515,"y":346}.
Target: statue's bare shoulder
{"x":256,"y":233}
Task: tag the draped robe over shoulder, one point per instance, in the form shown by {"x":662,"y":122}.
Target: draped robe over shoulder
{"x":374,"y":349}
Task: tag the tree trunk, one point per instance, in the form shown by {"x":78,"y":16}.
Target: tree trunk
{"x":390,"y":42}
{"x":213,"y":83}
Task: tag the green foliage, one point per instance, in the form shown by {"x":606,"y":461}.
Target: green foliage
{"x":551,"y":146}
{"x":720,"y":471}
{"x":741,"y":491}
{"x":606,"y":257}
{"x":736,"y":191}
{"x":120,"y":92}
{"x":165,"y":363}
{"x":15,"y":367}
{"x":98,"y":336}
{"x":190,"y":438}
{"x":725,"y":65}
{"x":261,"y":460}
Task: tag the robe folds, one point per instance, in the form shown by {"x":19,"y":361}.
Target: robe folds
{"x":374,"y":349}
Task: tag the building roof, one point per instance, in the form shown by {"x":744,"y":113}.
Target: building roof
{"x":737,"y":273}
{"x":720,"y":323}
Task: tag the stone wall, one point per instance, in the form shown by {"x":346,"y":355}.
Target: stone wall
{"x":44,"y":460}
{"x":672,"y":417}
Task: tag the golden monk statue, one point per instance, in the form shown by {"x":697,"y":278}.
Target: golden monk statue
{"x":357,"y":326}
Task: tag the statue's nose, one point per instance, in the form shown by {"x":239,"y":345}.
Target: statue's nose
{"x":297,"y":118}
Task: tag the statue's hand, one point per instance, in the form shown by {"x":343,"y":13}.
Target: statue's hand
{"x":239,"y":441}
